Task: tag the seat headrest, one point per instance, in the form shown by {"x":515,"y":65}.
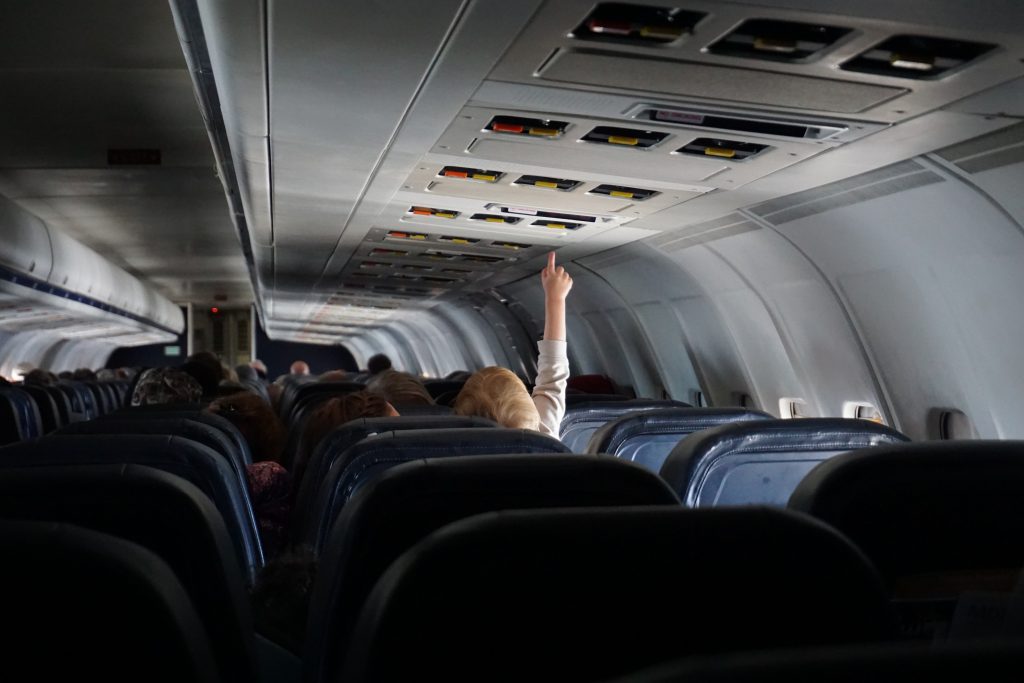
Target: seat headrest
{"x":585,"y":594}
{"x":762,"y":461}
{"x":925,"y":508}
{"x":675,"y":420}
{"x":92,"y":606}
{"x":370,"y":533}
{"x":380,"y":452}
{"x":210,"y":471}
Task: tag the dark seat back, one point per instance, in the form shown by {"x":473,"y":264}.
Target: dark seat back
{"x":193,"y":412}
{"x":405,"y":504}
{"x":186,"y":427}
{"x":589,"y":594}
{"x":62,"y":402}
{"x":309,"y":475}
{"x":1000,"y":661}
{"x":83,"y":403}
{"x":380,"y":452}
{"x":87,"y":606}
{"x":934,"y":517}
{"x":647,"y":438}
{"x":761,"y":462}
{"x":290,"y":386}
{"x":308,"y":396}
{"x":581,"y":420}
{"x":49,"y":415}
{"x":19,"y":416}
{"x":204,"y":468}
{"x":162,"y":513}
{"x":576,"y":399}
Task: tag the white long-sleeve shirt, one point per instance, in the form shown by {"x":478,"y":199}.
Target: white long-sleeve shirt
{"x":549,"y":389}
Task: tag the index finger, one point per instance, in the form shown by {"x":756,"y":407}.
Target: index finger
{"x":551,"y":260}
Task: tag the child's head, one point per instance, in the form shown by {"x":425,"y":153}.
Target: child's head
{"x":498,"y":394}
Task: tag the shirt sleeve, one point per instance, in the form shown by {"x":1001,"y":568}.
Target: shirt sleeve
{"x":549,"y":389}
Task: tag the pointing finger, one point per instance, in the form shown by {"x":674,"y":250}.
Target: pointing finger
{"x":551,"y":260}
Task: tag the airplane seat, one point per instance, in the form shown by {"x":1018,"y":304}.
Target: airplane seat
{"x":185,"y":427}
{"x":423,"y":410}
{"x":83,"y":405}
{"x":49,"y":414}
{"x":84,"y":605}
{"x":380,"y":452}
{"x":308,"y":475}
{"x":448,"y":388}
{"x":308,"y":396}
{"x":20,"y":419}
{"x":647,"y":437}
{"x":290,"y":385}
{"x":100,"y":398}
{"x":198,"y":464}
{"x":998,"y":661}
{"x":62,"y":402}
{"x":760,"y":462}
{"x":160,"y":512}
{"x":581,"y":420}
{"x":585,"y":595}
{"x":408,"y":502}
{"x":575,"y":399}
{"x":936,"y":518}
{"x":591,"y":384}
{"x":188,"y":411}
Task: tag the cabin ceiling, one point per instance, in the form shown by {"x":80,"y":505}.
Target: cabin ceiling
{"x":346,"y":129}
{"x":81,"y":78}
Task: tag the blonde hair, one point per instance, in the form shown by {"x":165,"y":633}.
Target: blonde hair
{"x":400,"y":388}
{"x":498,"y":394}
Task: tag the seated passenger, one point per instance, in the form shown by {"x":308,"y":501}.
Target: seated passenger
{"x":333,"y":413}
{"x":378,"y":364}
{"x":333,"y":376}
{"x":40,"y":378}
{"x":165,"y":385}
{"x":299,"y":367}
{"x":280,"y":599}
{"x":498,"y":394}
{"x":269,"y":482}
{"x":400,"y":388}
{"x":260,"y":367}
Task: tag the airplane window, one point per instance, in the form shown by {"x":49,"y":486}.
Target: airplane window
{"x":862,"y":411}
{"x":699,"y":400}
{"x":791,"y":408}
{"x":954,"y":424}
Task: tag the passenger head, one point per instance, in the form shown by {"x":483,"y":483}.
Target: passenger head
{"x":84,"y":374}
{"x":333,"y":413}
{"x":498,"y":394}
{"x":105,"y":375}
{"x":334,"y":376}
{"x":259,"y":366}
{"x":164,"y":386}
{"x":205,"y":374}
{"x":299,"y":367}
{"x":39,"y":378}
{"x":378,"y":364}
{"x":262,"y":429}
{"x":65,"y":374}
{"x":246,"y":373}
{"x":400,"y":388}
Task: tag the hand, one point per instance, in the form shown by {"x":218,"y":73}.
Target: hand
{"x":556,"y":281}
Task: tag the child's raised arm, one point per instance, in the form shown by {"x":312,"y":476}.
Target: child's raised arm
{"x":556,"y":283}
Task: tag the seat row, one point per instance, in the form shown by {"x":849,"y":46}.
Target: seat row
{"x":109,"y":482}
{"x":28,"y":411}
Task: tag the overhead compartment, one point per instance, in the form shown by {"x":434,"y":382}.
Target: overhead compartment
{"x":54,"y":271}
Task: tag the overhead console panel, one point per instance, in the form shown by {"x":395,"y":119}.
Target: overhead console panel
{"x":872,"y":68}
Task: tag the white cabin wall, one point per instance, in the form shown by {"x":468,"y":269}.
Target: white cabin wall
{"x":933,"y":277}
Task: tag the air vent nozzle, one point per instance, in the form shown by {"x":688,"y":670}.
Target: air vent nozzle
{"x":625,"y":137}
{"x":917,"y":57}
{"x":637,"y":24}
{"x":780,"y":41}
{"x":518,"y":125}
{"x":729,"y":150}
